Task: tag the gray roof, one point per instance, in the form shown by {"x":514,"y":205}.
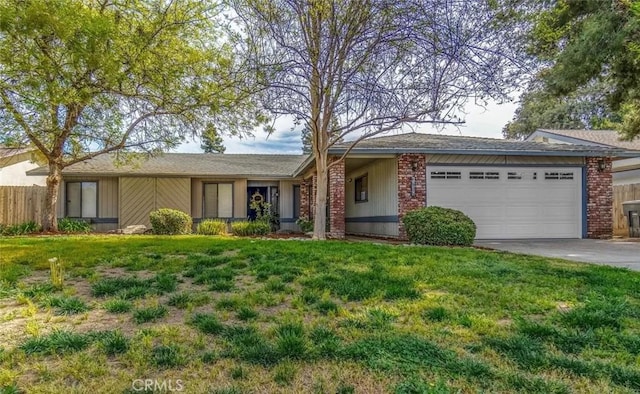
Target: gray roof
{"x":455,"y":144}
{"x":602,"y":137}
{"x":190,"y":164}
{"x":6,"y":152}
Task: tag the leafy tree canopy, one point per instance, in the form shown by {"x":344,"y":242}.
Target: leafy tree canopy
{"x":587,"y":108}
{"x":589,"y":54}
{"x":352,"y":69}
{"x":79,"y":78}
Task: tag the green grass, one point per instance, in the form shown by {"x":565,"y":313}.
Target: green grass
{"x":186,"y":300}
{"x":313,"y":316}
{"x":207,"y":323}
{"x":67,"y":305}
{"x":152,"y":313}
{"x":118,"y":306}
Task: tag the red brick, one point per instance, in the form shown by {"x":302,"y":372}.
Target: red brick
{"x":599,"y":199}
{"x":336,"y":200}
{"x":411,"y":167}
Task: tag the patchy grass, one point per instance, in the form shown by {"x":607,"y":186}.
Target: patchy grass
{"x":152,"y":313}
{"x":294,"y":316}
{"x":118,"y":306}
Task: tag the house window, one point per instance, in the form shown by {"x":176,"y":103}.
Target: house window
{"x":484,"y":175}
{"x":446,"y":175}
{"x":296,"y":201}
{"x":362,"y":188}
{"x":218,"y":200}
{"x":558,"y":175}
{"x":82,"y":199}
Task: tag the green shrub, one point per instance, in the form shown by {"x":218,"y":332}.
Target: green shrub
{"x":306,"y":225}
{"x":246,"y":228}
{"x":20,"y":229}
{"x":68,"y":225}
{"x":212,"y":227}
{"x":170,"y":221}
{"x":439,"y":226}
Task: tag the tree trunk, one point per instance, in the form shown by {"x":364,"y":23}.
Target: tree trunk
{"x":50,"y":222}
{"x":320,"y":218}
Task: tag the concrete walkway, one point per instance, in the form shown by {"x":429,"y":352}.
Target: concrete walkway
{"x":616,"y":253}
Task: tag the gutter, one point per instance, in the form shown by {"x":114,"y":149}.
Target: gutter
{"x":602,"y":153}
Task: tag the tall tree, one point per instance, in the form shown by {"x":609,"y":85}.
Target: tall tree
{"x":212,"y":141}
{"x":371,"y":66}
{"x":590,"y":43}
{"x":81,"y":78}
{"x":587,"y":108}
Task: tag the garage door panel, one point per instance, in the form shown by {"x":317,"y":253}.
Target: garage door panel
{"x":522,"y":203}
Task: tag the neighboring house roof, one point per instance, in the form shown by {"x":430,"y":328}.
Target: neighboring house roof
{"x":9,"y":156}
{"x":189,"y":164}
{"x":600,"y":137}
{"x":454,"y":144}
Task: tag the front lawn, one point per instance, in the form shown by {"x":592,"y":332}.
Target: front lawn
{"x":200,"y":314}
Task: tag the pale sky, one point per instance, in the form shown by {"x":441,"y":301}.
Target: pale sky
{"x":480,"y":122}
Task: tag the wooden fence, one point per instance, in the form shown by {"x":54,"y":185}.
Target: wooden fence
{"x":621,"y":194}
{"x":19,"y":204}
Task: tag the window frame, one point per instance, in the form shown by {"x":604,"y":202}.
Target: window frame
{"x":66,"y":199}
{"x":204,"y":200}
{"x":358,"y":198}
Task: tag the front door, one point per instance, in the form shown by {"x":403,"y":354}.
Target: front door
{"x":256,"y":194}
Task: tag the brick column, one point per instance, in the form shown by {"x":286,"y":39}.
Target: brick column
{"x":599,"y":198}
{"x":412,"y":186}
{"x":336,"y":200}
{"x":304,"y":199}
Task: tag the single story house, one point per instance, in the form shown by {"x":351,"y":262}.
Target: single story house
{"x":14,"y":164}
{"x":511,"y":189}
{"x":626,"y":171}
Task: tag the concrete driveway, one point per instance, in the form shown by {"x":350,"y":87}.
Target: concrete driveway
{"x":616,"y":253}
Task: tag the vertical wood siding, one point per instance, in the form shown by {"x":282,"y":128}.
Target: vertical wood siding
{"x":382,"y":198}
{"x":383,"y":190}
{"x":286,"y":198}
{"x":240,"y":198}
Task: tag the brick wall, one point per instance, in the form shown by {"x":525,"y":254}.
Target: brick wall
{"x":599,"y":199}
{"x":336,"y":200}
{"x":304,"y":199}
{"x":411,"y":175}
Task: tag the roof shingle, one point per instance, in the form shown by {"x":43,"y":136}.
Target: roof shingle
{"x":190,"y":164}
{"x":438,"y":143}
{"x":604,"y":137}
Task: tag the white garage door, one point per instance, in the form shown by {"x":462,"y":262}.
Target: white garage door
{"x":511,"y":202}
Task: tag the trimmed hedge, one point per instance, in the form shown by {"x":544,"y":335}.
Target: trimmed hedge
{"x":167,"y":221}
{"x":245,"y":228}
{"x":212,"y":227}
{"x":439,"y":226}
